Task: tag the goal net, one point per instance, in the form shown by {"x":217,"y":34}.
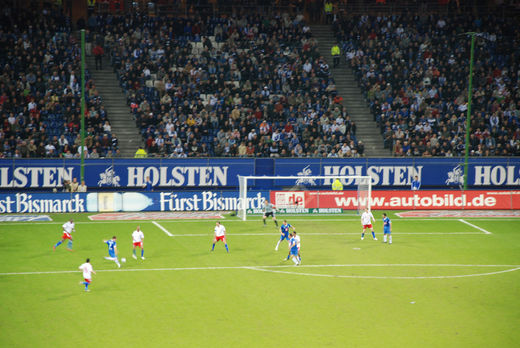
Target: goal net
{"x":298,"y":194}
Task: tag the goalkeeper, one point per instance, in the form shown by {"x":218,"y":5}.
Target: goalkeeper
{"x":269,"y":210}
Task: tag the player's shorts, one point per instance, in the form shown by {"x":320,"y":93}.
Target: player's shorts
{"x":284,"y":236}
{"x":294,"y":252}
{"x":87,"y":280}
{"x":112,"y":254}
{"x":66,"y":236}
{"x":269,"y":214}
{"x":220,"y":238}
{"x":138,"y":244}
{"x":367,"y":226}
{"x":385,"y":231}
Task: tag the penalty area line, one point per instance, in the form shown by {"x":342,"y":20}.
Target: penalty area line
{"x":474,"y":226}
{"x":266,"y":267}
{"x":162,"y":228}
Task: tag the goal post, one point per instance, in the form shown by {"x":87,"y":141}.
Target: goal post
{"x":308,"y":192}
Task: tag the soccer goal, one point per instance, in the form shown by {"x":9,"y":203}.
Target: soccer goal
{"x":297,"y":194}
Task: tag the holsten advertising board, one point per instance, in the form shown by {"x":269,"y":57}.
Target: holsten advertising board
{"x":287,"y":201}
{"x":222,"y":173}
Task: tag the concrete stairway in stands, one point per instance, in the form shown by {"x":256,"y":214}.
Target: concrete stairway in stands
{"x":346,"y":85}
{"x":114,"y":100}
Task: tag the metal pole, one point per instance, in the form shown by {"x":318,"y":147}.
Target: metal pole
{"x":82,"y":130}
{"x":468,"y":116}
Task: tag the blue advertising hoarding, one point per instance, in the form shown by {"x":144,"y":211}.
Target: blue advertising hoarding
{"x":209,"y":200}
{"x":222,"y":173}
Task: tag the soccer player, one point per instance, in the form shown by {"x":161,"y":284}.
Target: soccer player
{"x":297,"y":238}
{"x":87,"y":274}
{"x":293,"y":249}
{"x":416,"y":184}
{"x":137,"y":238}
{"x":387,"y":228}
{"x":220,"y":234}
{"x":269,"y":210}
{"x":112,"y":251}
{"x":365,"y":221}
{"x":68,"y":228}
{"x":284,"y":233}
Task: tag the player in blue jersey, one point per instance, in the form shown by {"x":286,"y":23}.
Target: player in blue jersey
{"x":293,"y":249}
{"x":112,"y":250}
{"x":284,"y":233}
{"x":387,"y":229}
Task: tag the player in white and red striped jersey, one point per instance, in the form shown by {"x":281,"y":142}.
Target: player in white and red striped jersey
{"x":137,"y":239}
{"x":87,"y":274}
{"x":366,"y":222}
{"x":68,"y":227}
{"x":220,"y":234}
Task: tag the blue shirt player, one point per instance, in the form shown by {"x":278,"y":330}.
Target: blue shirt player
{"x":293,"y":249}
{"x":387,"y":229}
{"x":284,"y":233}
{"x":112,"y":250}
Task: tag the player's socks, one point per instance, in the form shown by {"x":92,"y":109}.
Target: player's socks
{"x":362,"y":235}
{"x":384,"y":238}
{"x":373,"y":235}
{"x":213,"y":247}
{"x":264,"y":221}
{"x":57,"y":244}
{"x":227,"y":249}
{"x":142,"y":253}
{"x":390,"y":239}
{"x":277,"y":244}
{"x":134,"y":253}
{"x":295,"y":261}
{"x":69,"y":244}
{"x":289,"y":256}
{"x":276,"y":223}
{"x":117,"y":263}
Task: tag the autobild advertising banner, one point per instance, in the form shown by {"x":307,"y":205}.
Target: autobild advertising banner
{"x":222,"y":173}
{"x":396,"y":200}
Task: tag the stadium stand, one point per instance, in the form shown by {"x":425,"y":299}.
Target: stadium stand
{"x":414,"y":70}
{"x":234,"y":86}
{"x":40,"y":91}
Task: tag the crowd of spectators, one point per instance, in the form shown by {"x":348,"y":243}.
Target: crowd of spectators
{"x":233,"y":86}
{"x":414,"y":72}
{"x":40,"y":91}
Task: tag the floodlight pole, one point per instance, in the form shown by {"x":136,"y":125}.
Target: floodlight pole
{"x":468,"y":116}
{"x":82,"y":130}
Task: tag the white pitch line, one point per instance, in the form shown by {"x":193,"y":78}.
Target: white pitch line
{"x":497,"y":219}
{"x":162,"y":228}
{"x":383,"y":277}
{"x":259,"y":267}
{"x":325,"y":234}
{"x":474,"y":226}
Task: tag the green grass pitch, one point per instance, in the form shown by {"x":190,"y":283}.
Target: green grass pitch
{"x":442,"y":283}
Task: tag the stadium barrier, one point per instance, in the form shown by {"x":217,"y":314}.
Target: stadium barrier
{"x":291,"y":202}
{"x":119,"y":174}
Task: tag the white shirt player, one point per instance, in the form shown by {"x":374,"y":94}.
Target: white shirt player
{"x":365,"y":218}
{"x":137,"y":236}
{"x":87,"y":270}
{"x":68,"y":227}
{"x":220,"y":230}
